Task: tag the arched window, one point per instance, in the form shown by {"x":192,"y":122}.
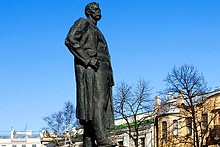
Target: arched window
{"x":164,"y":129}
{"x":204,"y":122}
{"x":189,"y":125}
{"x":175,"y":127}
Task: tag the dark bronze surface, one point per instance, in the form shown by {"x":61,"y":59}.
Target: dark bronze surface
{"x":94,"y":77}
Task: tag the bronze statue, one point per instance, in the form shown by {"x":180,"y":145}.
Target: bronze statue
{"x":94,"y":77}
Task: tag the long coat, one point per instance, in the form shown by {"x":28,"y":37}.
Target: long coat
{"x":94,"y":87}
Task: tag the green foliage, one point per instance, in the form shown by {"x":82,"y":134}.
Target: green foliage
{"x":122,"y":126}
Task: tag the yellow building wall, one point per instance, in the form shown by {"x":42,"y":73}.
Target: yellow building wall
{"x":210,"y":106}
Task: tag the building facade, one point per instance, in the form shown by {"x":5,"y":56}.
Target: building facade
{"x":119,"y":134}
{"x":174,"y":125}
{"x":20,"y":139}
{"x":146,"y":132}
{"x":145,"y":139}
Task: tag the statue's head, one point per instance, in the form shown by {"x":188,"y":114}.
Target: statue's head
{"x":92,"y":10}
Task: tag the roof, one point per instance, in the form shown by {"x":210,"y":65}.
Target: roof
{"x":201,"y":98}
{"x":170,"y":106}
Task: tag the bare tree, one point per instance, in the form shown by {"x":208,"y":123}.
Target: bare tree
{"x":68,"y":115}
{"x":129,"y":102}
{"x":55,"y":122}
{"x":62,"y":120}
{"x":190,"y":83}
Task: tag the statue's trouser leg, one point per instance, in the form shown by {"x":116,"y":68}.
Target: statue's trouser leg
{"x":98,"y":125}
{"x":99,"y":128}
{"x":88,"y":136}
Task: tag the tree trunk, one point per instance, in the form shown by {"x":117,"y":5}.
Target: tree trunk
{"x":196,"y":136}
{"x":136,"y":142}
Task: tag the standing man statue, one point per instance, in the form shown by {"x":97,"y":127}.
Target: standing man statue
{"x":94,"y":78}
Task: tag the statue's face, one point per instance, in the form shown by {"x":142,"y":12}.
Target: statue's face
{"x":95,"y":12}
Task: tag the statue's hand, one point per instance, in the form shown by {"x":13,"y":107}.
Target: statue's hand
{"x":94,"y":63}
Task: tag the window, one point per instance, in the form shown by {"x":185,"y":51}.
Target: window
{"x":23,"y":145}
{"x":143,"y":142}
{"x":164,"y":129}
{"x":189,"y":125}
{"x":34,"y":145}
{"x":3,"y":145}
{"x":120,"y":143}
{"x":175,"y":127}
{"x":219,"y":118}
{"x":204,"y":122}
{"x":14,"y":145}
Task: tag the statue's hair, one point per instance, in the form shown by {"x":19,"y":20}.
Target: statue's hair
{"x":88,"y":8}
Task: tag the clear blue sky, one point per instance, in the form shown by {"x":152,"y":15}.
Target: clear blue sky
{"x":146,"y":38}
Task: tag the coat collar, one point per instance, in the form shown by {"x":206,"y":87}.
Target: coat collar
{"x":92,"y":22}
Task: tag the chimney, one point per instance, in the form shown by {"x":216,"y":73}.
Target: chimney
{"x":180,"y":98}
{"x":157,"y":102}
